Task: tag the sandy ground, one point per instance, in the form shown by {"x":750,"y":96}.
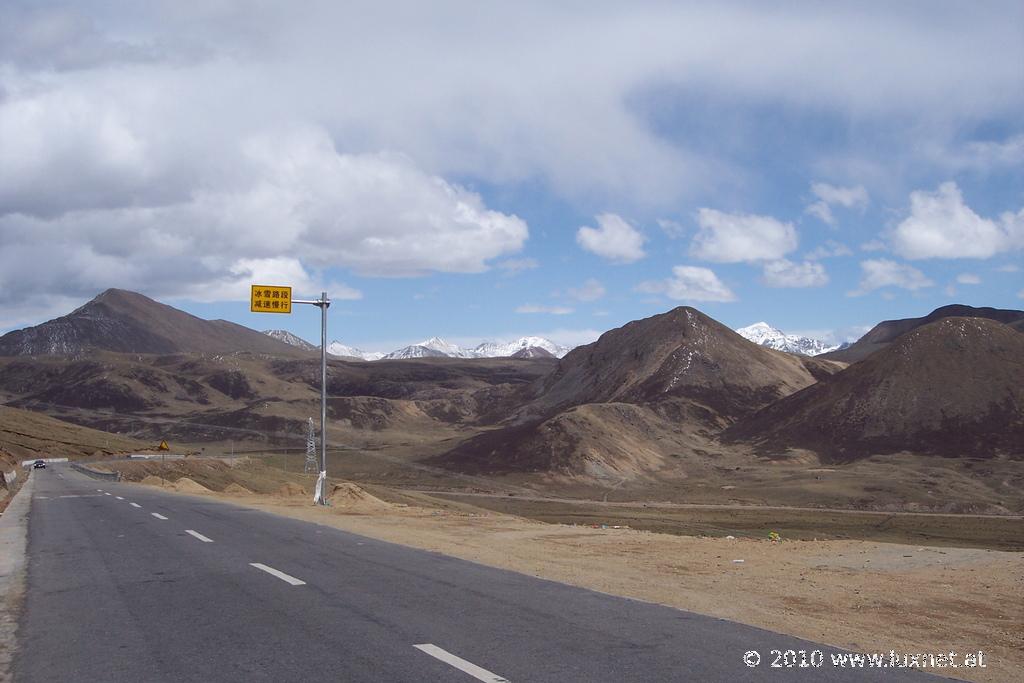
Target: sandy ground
{"x":865,"y":596}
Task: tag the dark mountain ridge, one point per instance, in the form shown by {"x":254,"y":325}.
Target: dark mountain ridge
{"x":886,"y":332}
{"x":126,"y":322}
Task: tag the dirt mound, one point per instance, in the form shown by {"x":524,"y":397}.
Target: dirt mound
{"x":237,"y":489}
{"x":347,"y":494}
{"x":186,"y":485}
{"x":290,"y":489}
{"x":151,"y":480}
{"x":954,"y":388}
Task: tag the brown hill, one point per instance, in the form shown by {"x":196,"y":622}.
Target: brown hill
{"x":953,"y":387}
{"x":26,"y":435}
{"x":681,"y":354}
{"x":127,"y":322}
{"x":599,"y":441}
{"x":885,"y":333}
{"x":643,"y":393}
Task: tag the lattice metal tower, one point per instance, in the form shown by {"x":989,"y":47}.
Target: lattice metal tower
{"x":312,"y":466}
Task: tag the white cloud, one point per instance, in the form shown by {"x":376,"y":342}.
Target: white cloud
{"x":1020,"y":294}
{"x":983,"y":155}
{"x":847,"y":197}
{"x":552,"y":310}
{"x":147,"y":117}
{"x":874,"y":245}
{"x":294,"y":207}
{"x":689,"y":283}
{"x":879,"y":273}
{"x":735,"y":237}
{"x":784,"y":273}
{"x":968,"y":279}
{"x":590,"y":290}
{"x":831,"y":195}
{"x":828,"y":250}
{"x":1008,"y":268}
{"x":941,"y":225}
{"x":615,"y":239}
{"x":673,"y":229}
{"x":822,"y":211}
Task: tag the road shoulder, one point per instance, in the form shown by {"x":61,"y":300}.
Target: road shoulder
{"x":13,"y":542}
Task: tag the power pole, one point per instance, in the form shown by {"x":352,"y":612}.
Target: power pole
{"x":311,"y":463}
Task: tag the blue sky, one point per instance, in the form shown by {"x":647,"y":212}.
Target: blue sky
{"x":485,"y":172}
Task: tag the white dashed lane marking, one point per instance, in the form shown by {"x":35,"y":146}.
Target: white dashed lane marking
{"x":198,"y":535}
{"x":158,"y":515}
{"x":118,"y":497}
{"x":279,"y":574}
{"x":461,"y":664}
{"x":135,"y":505}
{"x":105,"y":493}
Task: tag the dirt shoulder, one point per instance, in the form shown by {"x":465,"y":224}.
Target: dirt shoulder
{"x":865,"y":596}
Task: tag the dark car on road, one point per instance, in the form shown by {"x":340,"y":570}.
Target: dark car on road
{"x":39,"y":465}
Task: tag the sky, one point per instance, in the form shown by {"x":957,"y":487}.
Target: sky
{"x":491,"y":170}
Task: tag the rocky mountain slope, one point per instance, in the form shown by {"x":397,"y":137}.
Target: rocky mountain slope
{"x":127,"y":322}
{"x":953,"y":387}
{"x":885,"y":333}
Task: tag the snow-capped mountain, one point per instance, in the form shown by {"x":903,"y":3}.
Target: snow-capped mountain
{"x":289,"y":338}
{"x":436,"y":347}
{"x":765,"y":335}
{"x":336,"y":348}
{"x":447,"y":348}
{"x":415,"y":351}
{"x":500,"y":349}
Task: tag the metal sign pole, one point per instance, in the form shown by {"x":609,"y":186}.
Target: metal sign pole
{"x":324,"y":303}
{"x":277,"y":299}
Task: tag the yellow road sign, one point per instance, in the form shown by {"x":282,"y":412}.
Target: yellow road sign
{"x":163,"y":446}
{"x":270,"y":299}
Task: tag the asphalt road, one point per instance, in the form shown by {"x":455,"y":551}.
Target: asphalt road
{"x":127,"y":583}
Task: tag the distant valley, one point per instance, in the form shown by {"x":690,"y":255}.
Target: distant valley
{"x":675,"y":406}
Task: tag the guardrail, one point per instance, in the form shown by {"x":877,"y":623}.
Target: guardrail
{"x":96,"y":474}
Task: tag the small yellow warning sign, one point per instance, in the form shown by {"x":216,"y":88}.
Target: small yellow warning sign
{"x":163,"y":446}
{"x":270,"y":299}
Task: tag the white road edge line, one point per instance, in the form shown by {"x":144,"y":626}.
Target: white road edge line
{"x":470,"y":668}
{"x":158,"y":516}
{"x":281,"y":575}
{"x":198,"y":535}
